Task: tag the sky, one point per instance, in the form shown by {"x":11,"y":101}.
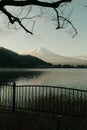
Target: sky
{"x":46,"y":35}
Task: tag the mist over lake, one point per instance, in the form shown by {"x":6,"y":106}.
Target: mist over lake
{"x":72,"y":78}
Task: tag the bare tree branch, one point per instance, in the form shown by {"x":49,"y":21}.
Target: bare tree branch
{"x":70,"y":24}
{"x":32,"y":2}
{"x":64,"y":19}
{"x":14,"y":19}
{"x":19,"y":3}
{"x":57,"y":18}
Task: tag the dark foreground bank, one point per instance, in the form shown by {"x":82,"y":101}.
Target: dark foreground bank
{"x":39,"y":121}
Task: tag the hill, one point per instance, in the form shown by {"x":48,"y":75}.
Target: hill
{"x":11,"y":59}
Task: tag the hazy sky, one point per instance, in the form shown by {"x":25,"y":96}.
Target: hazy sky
{"x":45,"y":35}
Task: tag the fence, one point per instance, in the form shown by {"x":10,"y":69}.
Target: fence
{"x":51,"y":99}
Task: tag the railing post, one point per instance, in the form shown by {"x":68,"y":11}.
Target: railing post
{"x":13,"y":106}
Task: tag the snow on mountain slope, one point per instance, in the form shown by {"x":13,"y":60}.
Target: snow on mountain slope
{"x":54,"y":58}
{"x":43,"y":52}
{"x":81,"y":57}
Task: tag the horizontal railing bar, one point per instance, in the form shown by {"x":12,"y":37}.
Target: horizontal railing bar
{"x":6,"y":85}
{"x":52,"y":87}
{"x":45,"y":87}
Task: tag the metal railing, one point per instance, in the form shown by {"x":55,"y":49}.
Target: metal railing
{"x":51,"y":99}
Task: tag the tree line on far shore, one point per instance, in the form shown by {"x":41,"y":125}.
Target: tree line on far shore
{"x":69,"y":66}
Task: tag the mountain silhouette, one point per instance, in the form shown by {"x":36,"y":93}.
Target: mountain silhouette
{"x":11,"y":59}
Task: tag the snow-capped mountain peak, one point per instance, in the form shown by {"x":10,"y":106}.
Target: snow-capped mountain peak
{"x":82,"y":57}
{"x":40,"y":50}
{"x":54,"y":58}
{"x":43,"y":52}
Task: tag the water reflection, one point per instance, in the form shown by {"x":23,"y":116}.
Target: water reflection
{"x":10,"y":75}
{"x":72,"y":78}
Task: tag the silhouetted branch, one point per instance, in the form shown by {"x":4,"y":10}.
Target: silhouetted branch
{"x":15,"y":18}
{"x":57,"y":18}
{"x":65,"y":19}
{"x":70,"y":24}
{"x":32,"y":2}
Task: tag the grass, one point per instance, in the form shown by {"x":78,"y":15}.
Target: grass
{"x":23,"y":120}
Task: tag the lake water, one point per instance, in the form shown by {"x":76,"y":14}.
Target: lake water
{"x":72,"y":78}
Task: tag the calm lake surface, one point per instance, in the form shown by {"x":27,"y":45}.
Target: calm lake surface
{"x":72,"y":78}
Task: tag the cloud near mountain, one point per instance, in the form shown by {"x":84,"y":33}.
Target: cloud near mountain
{"x":54,"y":58}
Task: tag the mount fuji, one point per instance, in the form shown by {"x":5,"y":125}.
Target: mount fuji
{"x":54,"y":58}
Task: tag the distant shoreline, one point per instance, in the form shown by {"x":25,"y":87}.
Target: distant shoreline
{"x":20,"y":68}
